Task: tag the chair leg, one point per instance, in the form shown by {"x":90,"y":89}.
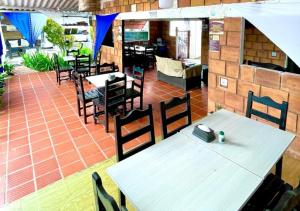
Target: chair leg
{"x":59,"y":79}
{"x":122,"y":199}
{"x":78,"y":107}
{"x":94,"y":115}
{"x":84,"y":113}
{"x":106,"y":121}
{"x":131,"y":103}
{"x":279,"y":168}
{"x":141,"y":102}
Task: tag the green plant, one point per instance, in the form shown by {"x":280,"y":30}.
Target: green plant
{"x":3,"y":76}
{"x":8,"y":68}
{"x":38,"y":61}
{"x":92,"y":33}
{"x":55,"y":34}
{"x":85,"y":51}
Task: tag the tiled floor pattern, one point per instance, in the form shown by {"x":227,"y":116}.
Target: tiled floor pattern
{"x":75,"y":192}
{"x":43,"y":140}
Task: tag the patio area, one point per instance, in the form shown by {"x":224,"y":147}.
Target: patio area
{"x":42,"y":138}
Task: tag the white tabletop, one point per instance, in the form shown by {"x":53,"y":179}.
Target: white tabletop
{"x":253,"y":145}
{"x":68,"y":58}
{"x":180,"y":174}
{"x":99,"y":80}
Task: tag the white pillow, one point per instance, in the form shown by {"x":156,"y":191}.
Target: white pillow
{"x":24,"y":43}
{"x":14,"y":43}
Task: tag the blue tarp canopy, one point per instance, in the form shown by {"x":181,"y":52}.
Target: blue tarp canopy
{"x":1,"y":52}
{"x":30,"y":25}
{"x":103,"y":22}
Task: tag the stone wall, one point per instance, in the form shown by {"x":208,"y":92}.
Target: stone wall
{"x":242,"y":78}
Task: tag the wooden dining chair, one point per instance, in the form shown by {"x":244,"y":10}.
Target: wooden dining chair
{"x":105,"y":68}
{"x":267,"y":101}
{"x":84,"y":98}
{"x":121,"y":139}
{"x":174,"y":102}
{"x":62,"y":73}
{"x":109,"y":99}
{"x":137,"y":87}
{"x":83,"y":65}
{"x":103,"y":201}
{"x":72,"y":52}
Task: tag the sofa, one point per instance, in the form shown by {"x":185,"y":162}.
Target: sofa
{"x":174,"y":72}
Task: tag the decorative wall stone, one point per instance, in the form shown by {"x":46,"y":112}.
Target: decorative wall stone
{"x":244,"y":88}
{"x":276,"y":95}
{"x":290,"y":82}
{"x":268,"y":78}
{"x":232,"y":69}
{"x":247,"y":73}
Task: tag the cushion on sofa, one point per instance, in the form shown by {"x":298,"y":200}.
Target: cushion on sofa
{"x":169,"y":66}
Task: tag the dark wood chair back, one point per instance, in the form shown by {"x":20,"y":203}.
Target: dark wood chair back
{"x":78,"y":82}
{"x":115,"y":93}
{"x":103,"y":200}
{"x":73,"y":52}
{"x":138,"y":75}
{"x":106,"y":68}
{"x":165,"y":106}
{"x":123,"y":139}
{"x":56,"y":62}
{"x":267,"y":101}
{"x":83,"y":63}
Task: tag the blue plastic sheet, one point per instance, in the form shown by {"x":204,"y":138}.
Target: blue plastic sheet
{"x":1,"y":53}
{"x":30,"y":25}
{"x":21,"y":20}
{"x":103,"y":22}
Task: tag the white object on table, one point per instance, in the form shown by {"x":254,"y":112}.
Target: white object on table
{"x":99,"y":80}
{"x":69,"y":58}
{"x":180,"y":174}
{"x":251,"y":144}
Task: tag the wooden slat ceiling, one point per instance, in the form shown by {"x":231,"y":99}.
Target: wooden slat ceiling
{"x":54,"y":5}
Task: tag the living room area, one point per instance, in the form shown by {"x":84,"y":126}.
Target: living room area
{"x":175,"y":50}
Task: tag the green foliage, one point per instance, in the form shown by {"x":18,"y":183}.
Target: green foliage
{"x":85,"y":51}
{"x":38,"y":61}
{"x":92,"y":33}
{"x":42,"y":62}
{"x":55,"y":34}
{"x":8,"y":68}
{"x":3,"y":76}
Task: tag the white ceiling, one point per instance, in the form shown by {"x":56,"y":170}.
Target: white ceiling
{"x":54,"y":5}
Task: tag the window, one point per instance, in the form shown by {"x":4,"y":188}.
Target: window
{"x":181,"y":25}
{"x":195,"y":28}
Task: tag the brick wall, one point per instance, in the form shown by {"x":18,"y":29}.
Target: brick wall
{"x":171,"y":41}
{"x":259,"y":48}
{"x":144,"y":5}
{"x":242,"y":78}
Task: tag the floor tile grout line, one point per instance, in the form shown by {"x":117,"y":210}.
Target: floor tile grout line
{"x":50,"y":137}
{"x":82,"y":123}
{"x":68,"y":131}
{"x":30,"y":149}
{"x":7,"y":142}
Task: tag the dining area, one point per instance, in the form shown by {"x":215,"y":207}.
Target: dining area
{"x":223,"y":161}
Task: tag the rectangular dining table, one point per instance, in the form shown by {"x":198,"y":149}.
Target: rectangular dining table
{"x":183,"y":172}
{"x":99,"y":80}
{"x":251,"y":144}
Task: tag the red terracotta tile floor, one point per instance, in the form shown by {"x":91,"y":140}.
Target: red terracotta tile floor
{"x":42,"y":138}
